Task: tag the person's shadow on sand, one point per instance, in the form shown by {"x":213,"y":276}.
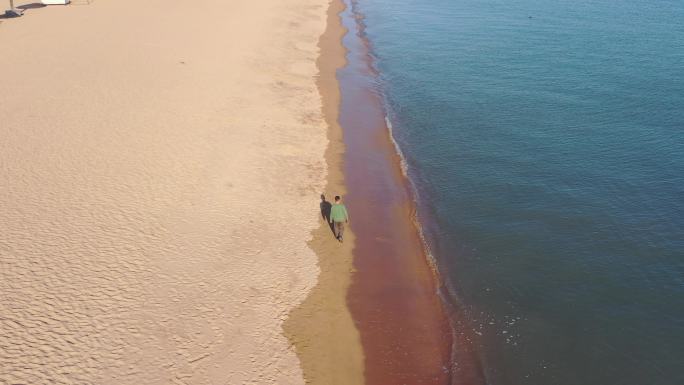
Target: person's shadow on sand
{"x":325,"y":212}
{"x":21,"y":8}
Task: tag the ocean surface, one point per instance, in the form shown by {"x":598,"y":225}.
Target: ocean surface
{"x":545,"y":142}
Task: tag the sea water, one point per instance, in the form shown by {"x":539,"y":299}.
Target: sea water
{"x":545,"y":142}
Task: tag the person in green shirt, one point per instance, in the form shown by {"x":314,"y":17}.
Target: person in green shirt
{"x":338,"y":217}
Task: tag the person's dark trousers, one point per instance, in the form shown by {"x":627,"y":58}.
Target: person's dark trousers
{"x":338,"y":227}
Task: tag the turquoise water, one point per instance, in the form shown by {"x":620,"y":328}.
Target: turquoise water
{"x":545,"y":140}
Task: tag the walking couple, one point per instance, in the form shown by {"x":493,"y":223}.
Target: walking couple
{"x":338,"y":217}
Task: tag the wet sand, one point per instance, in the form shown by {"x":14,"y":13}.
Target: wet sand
{"x":321,"y":328}
{"x":160,"y":167}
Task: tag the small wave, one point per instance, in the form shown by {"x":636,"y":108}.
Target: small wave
{"x":402,"y":161}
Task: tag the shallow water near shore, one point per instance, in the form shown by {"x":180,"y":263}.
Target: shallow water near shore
{"x":545,"y":143}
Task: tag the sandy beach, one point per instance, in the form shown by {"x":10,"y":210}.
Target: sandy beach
{"x":160,"y":171}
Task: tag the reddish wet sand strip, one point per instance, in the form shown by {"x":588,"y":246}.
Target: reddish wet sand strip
{"x":404,"y":330}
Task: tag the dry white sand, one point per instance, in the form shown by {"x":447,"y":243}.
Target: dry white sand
{"x":160,"y":165}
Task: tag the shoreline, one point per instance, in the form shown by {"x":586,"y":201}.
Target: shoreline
{"x":394,"y":300}
{"x":375,"y":345}
{"x":465,"y":364}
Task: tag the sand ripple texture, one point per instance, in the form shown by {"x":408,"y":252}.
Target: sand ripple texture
{"x":159,"y":169}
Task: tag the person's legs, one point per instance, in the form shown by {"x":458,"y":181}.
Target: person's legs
{"x":338,"y":229}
